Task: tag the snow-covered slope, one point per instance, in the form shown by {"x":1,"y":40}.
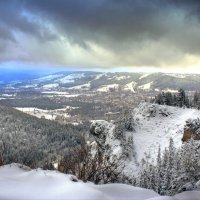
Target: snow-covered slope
{"x":24,"y":184}
{"x":146,"y":86}
{"x":81,"y":87}
{"x":106,"y":88}
{"x":102,"y":81}
{"x":70,"y":78}
{"x":144,"y":76}
{"x":130,"y":86}
{"x":61,"y":78}
{"x":155,"y":124}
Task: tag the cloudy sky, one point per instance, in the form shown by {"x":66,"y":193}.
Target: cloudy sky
{"x":104,"y":34}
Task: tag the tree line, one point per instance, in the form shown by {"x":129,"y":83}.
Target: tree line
{"x":176,"y":170}
{"x":181,"y":99}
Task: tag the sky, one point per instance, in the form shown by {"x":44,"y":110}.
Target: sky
{"x":121,"y":35}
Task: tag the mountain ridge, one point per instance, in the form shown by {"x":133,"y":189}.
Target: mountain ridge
{"x":103,"y":82}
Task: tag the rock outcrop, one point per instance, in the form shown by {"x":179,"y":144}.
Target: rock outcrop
{"x":191,"y":130}
{"x":114,"y":145}
{"x":140,"y":135}
{"x":103,"y":133}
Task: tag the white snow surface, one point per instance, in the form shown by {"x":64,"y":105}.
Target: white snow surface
{"x":85,"y":86}
{"x":49,"y":86}
{"x":119,"y":78}
{"x":70,"y":78}
{"x":143,"y":76}
{"x":188,"y":195}
{"x":130,"y":86}
{"x":146,"y":86}
{"x":170,"y":90}
{"x":49,"y":77}
{"x":61,"y":78}
{"x":155,"y":124}
{"x":99,"y":76}
{"x":177,"y":75}
{"x":24,"y":184}
{"x":47,"y":114}
{"x":21,"y":183}
{"x":106,"y":88}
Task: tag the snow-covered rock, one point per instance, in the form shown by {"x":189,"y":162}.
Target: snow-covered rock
{"x":104,"y":133}
{"x":154,"y":125}
{"x":191,"y":130}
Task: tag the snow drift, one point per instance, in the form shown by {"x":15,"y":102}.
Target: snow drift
{"x":18,"y":183}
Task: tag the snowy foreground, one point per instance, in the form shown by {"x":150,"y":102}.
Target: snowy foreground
{"x":24,"y":184}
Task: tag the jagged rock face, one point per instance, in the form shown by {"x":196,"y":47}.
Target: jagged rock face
{"x":191,"y":130}
{"x":111,"y":145}
{"x":101,"y":129}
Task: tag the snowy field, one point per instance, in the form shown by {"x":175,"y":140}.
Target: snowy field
{"x":146,"y":86}
{"x":24,"y":184}
{"x":130,"y":86}
{"x":60,"y":94}
{"x":106,"y":88}
{"x":47,"y":114}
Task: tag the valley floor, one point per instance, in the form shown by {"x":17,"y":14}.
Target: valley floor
{"x":21,"y":183}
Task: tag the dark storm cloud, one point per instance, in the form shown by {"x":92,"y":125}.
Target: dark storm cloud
{"x":90,"y":19}
{"x":12,"y":19}
{"x":114,"y":23}
{"x":151,"y":31}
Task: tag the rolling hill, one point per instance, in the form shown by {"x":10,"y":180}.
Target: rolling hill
{"x":103,"y":82}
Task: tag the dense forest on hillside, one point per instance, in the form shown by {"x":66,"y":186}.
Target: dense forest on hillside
{"x":32,"y":141}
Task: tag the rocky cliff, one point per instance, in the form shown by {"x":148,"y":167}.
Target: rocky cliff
{"x":153,"y":126}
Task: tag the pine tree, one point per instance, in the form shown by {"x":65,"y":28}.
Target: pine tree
{"x":158,"y":178}
{"x":196,"y":100}
{"x":182,"y":99}
{"x":151,"y":177}
{"x":168,"y":166}
{"x":190,"y":159}
{"x":142,"y":177}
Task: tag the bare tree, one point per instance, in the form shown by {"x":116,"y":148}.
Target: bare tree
{"x":88,"y":164}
